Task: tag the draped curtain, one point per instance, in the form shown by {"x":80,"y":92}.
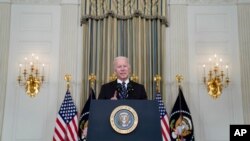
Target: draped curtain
{"x":131,"y":28}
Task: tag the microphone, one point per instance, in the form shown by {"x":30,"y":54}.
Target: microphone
{"x":118,"y":90}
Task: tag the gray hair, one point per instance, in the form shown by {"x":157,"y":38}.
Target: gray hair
{"x":120,"y":58}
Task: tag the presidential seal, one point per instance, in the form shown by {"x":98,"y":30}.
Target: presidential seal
{"x":123,"y":119}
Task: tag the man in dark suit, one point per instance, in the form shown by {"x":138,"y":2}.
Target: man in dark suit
{"x":123,"y":87}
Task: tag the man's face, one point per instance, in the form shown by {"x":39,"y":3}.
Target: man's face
{"x":122,"y":69}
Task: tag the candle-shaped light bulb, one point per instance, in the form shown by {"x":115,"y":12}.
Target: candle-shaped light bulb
{"x":215,"y":60}
{"x":37,"y":58}
{"x":25,"y":62}
{"x":31,"y":67}
{"x":20,"y":69}
{"x":220,"y":63}
{"x":32,"y":57}
{"x":204,"y":69}
{"x":210,"y":63}
{"x":43,"y":69}
{"x":216,"y":67}
{"x":227,"y":69}
{"x":204,"y":73}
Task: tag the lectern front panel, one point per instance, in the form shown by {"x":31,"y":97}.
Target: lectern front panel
{"x":147,"y":129}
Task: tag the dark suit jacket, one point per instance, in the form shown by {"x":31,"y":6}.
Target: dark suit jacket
{"x":137,"y":91}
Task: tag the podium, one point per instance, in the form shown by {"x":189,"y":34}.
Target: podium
{"x":107,"y":116}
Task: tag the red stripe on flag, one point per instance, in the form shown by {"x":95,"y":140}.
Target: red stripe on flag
{"x":58,"y":135}
{"x":72,"y":129}
{"x":58,"y":122}
{"x":75,"y":124}
{"x":166,"y":125}
{"x":165,"y":128}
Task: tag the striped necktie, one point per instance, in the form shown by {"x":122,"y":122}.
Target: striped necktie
{"x":123,"y":91}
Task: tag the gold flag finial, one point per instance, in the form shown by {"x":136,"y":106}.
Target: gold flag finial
{"x":179,"y":78}
{"x":67,"y":77}
{"x":134,"y":78}
{"x":113,"y":77}
{"x":92,"y":79}
{"x":157,"y":79}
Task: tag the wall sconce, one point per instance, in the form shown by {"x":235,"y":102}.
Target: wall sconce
{"x":215,"y":82}
{"x":29,"y":75}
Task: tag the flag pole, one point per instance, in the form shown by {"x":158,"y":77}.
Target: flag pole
{"x":67,"y":77}
{"x":164,"y":120}
{"x":179,"y":78}
{"x":66,"y":122}
{"x":181,"y":115}
{"x":92,"y":79}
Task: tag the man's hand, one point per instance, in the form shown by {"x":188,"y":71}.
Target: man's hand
{"x":114,"y":97}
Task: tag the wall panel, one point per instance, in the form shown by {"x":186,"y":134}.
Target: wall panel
{"x":213,"y":30}
{"x":34,"y":29}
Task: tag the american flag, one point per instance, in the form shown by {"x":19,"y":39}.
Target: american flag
{"x":66,"y":123}
{"x":164,"y":119}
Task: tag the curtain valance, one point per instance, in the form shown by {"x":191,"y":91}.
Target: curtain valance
{"x":124,"y":9}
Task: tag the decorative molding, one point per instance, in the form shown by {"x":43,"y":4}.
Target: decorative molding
{"x":212,"y":2}
{"x":5,"y":16}
{"x":244,"y":41}
{"x":181,"y":2}
{"x":44,"y":1}
{"x":243,"y":1}
{"x":71,"y":2}
{"x":53,"y":2}
{"x":174,"y":2}
{"x":69,"y":46}
{"x":4,"y":1}
{"x":99,"y":10}
{"x":208,"y":2}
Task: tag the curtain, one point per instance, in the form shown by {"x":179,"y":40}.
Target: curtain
{"x":131,"y":28}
